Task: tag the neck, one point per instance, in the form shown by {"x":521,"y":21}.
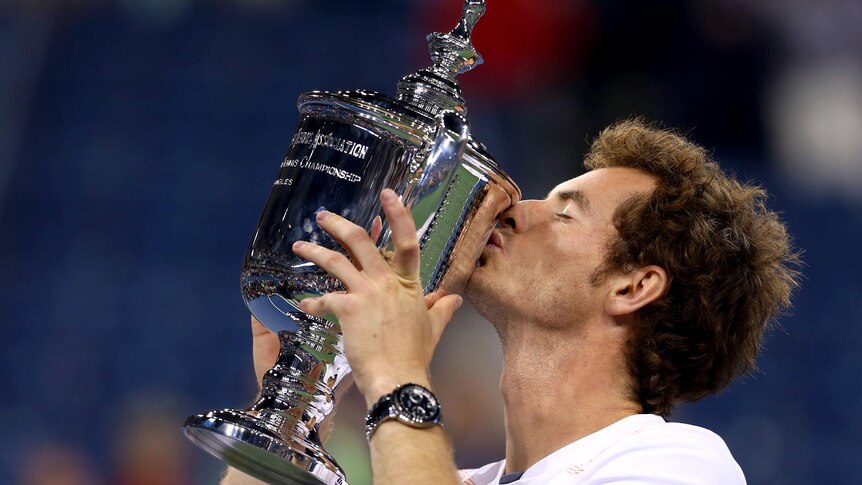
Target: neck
{"x":559,"y":386}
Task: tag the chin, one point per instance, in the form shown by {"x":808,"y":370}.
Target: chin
{"x":482,"y":296}
{"x":477,"y":282}
{"x":474,"y":289}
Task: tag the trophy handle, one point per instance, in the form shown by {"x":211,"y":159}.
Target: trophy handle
{"x":444,"y":156}
{"x":437,"y":198}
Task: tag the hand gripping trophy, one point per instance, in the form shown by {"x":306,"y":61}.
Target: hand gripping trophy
{"x":349,"y":146}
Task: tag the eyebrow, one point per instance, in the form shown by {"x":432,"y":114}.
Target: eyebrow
{"x":578,"y":197}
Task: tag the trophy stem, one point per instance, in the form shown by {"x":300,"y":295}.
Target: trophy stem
{"x":276,"y":439}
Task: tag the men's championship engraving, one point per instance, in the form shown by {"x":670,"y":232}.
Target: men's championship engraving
{"x":349,"y":146}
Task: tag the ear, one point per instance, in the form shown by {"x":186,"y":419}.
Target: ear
{"x":636,"y":289}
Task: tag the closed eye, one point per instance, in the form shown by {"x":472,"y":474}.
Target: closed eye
{"x":565,"y":213}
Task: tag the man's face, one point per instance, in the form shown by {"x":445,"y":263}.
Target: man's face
{"x":538,"y":262}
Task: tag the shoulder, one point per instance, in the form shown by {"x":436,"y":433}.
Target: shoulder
{"x":670,"y":453}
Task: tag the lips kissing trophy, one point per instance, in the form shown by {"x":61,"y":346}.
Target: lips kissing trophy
{"x":349,"y":146}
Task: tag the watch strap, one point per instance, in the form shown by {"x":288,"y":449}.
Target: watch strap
{"x":381,"y":411}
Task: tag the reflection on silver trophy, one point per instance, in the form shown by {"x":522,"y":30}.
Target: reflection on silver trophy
{"x":349,"y":146}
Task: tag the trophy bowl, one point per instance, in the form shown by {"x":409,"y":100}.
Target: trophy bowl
{"x":348,"y":146}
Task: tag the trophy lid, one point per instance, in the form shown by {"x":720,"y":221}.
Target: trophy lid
{"x":434,"y":89}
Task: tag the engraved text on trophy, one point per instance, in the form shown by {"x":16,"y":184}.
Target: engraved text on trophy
{"x":330,"y":165}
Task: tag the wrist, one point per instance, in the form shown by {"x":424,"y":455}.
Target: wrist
{"x":384,"y":385}
{"x":411,"y":404}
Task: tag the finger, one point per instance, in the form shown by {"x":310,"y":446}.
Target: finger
{"x":323,"y":305}
{"x":333,"y":262}
{"x":441,"y":313}
{"x":432,"y":298}
{"x":354,"y":239}
{"x":376,"y":228}
{"x":405,"y":262}
{"x":374,"y":233}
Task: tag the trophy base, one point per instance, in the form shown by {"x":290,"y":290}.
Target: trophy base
{"x":241,"y":441}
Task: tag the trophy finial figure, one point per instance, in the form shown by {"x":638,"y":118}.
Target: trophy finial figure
{"x":453,"y":53}
{"x":435,"y":89}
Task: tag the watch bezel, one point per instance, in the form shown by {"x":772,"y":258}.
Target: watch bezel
{"x":406,"y":415}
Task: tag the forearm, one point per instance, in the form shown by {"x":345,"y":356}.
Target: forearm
{"x":401,"y":454}
{"x":404,"y":454}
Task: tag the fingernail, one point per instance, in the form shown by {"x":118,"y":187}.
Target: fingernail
{"x":323,"y":215}
{"x":459,"y":303}
{"x":388,"y":195}
{"x":298,"y":244}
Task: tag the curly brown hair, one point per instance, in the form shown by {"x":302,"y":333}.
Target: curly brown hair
{"x":729,"y":260}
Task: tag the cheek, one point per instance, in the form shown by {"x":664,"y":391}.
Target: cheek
{"x":554,"y":258}
{"x":572,"y":265}
{"x":546,"y":272}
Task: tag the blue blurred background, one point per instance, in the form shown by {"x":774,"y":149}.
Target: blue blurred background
{"x":139,"y":139}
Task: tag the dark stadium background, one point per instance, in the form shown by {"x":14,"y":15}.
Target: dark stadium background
{"x":139,"y":139}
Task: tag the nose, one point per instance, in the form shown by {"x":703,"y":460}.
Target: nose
{"x":517,"y":217}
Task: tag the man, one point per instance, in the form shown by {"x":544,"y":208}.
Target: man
{"x":646,"y":282}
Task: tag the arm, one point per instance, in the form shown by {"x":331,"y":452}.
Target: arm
{"x":390,"y":333}
{"x":396,"y":448}
{"x":400,"y":454}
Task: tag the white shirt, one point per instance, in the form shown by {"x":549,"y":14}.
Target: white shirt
{"x":639,"y":449}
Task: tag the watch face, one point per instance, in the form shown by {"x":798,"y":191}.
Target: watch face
{"x":417,"y":404}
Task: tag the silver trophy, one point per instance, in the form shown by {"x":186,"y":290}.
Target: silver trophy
{"x":349,"y":146}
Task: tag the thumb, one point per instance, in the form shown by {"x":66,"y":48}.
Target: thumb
{"x":431,"y":298}
{"x":441,"y":313}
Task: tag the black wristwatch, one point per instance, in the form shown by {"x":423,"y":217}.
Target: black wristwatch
{"x":410,"y":404}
